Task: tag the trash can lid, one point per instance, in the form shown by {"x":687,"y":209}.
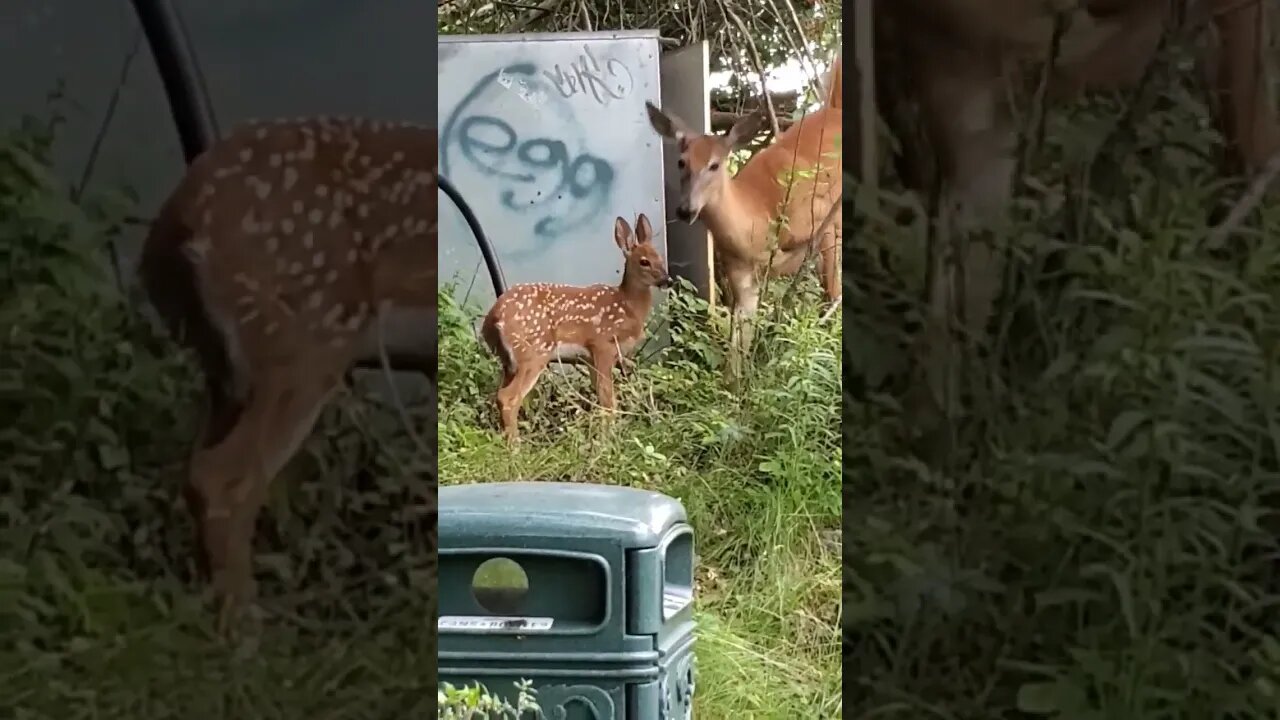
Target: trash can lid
{"x":638,"y":518}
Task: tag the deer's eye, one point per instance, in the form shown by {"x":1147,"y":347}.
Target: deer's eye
{"x":644,"y":262}
{"x":713,"y":166}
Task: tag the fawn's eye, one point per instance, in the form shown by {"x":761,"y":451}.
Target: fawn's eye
{"x":644,"y":262}
{"x":713,"y":166}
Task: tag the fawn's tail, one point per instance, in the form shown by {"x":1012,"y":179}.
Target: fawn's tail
{"x":170,"y":280}
{"x":497,"y":345}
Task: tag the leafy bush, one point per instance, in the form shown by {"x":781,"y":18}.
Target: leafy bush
{"x":474,"y":702}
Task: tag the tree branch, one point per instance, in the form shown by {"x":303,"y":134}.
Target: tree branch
{"x":758,"y":66}
{"x":545,"y":7}
{"x":784,"y":102}
{"x":721,"y":121}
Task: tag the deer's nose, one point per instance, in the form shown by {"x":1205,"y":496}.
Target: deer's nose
{"x":684,"y":213}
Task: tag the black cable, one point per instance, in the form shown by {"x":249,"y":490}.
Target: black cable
{"x":180,"y":74}
{"x":486,"y":249}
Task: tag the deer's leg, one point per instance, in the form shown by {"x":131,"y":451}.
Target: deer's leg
{"x":506,"y":369}
{"x":603,"y":358}
{"x":230,"y":479}
{"x":296,"y":407}
{"x":746,"y":296}
{"x":512,"y":395}
{"x":215,"y":471}
{"x":508,"y":376}
{"x":746,"y":291}
{"x":829,"y":250}
{"x":220,"y":418}
{"x":971,"y":131}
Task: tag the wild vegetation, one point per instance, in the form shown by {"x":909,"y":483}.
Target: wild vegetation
{"x":98,"y":608}
{"x":758,"y":473}
{"x":1101,"y":543}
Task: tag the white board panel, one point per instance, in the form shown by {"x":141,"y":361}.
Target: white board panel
{"x":546,"y":137}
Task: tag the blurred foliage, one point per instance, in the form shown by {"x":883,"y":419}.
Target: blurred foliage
{"x":1103,"y":544}
{"x":98,"y":608}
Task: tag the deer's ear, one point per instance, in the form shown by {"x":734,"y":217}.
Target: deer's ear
{"x":622,"y":235}
{"x":644,"y":231}
{"x":668,"y":126}
{"x":743,"y":130}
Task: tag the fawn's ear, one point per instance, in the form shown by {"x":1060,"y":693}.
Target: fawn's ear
{"x":644,"y":231}
{"x":668,"y":126}
{"x":622,"y":235}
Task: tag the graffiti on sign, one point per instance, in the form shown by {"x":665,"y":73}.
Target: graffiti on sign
{"x":553,"y":181}
{"x":613,"y":82}
{"x":522,"y":89}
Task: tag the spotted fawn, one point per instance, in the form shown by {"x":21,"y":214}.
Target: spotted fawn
{"x":272,"y":259}
{"x":531,"y":325}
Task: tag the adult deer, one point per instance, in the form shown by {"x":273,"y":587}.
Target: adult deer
{"x":532,"y":324}
{"x":275,"y":259}
{"x":788,"y":188}
{"x":946,"y":66}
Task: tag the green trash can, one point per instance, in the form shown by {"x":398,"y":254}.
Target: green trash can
{"x":586,"y":590}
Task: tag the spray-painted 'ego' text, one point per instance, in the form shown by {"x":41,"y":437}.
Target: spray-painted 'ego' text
{"x":546,"y":175}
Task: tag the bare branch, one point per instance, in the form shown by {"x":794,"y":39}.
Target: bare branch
{"x":104,"y":127}
{"x":784,"y":102}
{"x":721,"y":121}
{"x":758,"y":66}
{"x":745,"y":33}
{"x":545,"y":7}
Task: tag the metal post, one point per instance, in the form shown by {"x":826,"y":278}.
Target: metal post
{"x":180,"y":74}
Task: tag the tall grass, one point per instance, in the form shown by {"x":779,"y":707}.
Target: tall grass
{"x":1102,"y":546}
{"x":757,"y":470}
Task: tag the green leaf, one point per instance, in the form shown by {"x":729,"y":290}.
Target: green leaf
{"x":1123,"y":427}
